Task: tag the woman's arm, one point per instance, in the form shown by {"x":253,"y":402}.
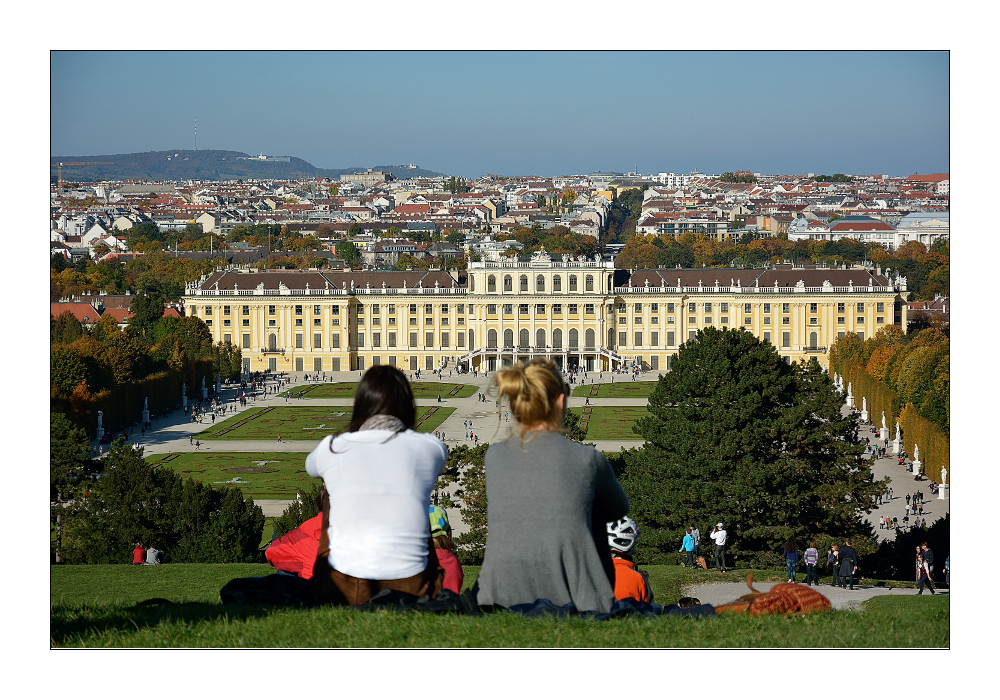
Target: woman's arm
{"x":312,"y":461}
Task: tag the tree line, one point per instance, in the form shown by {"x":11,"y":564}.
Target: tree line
{"x":107,"y":368}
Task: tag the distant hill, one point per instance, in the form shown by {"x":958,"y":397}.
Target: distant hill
{"x":206,"y":165}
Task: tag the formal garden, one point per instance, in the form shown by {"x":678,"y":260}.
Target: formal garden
{"x":421,"y":390}
{"x":617,"y":390}
{"x":268,"y":475}
{"x":304,"y":422}
{"x":609,"y":422}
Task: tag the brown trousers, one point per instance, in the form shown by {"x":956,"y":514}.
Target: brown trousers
{"x":332,"y":587}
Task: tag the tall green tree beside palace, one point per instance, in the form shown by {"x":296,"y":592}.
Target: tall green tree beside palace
{"x":738,"y":435}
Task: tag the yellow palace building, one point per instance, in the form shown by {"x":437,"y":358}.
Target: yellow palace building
{"x":579,"y":312}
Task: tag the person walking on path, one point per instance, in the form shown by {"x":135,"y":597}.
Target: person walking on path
{"x":687,"y":546}
{"x":833,"y":561}
{"x":928,"y":557}
{"x":791,"y":558}
{"x":924,"y":575}
{"x":881,"y":522}
{"x":697,"y":540}
{"x":848,"y":565}
{"x":811,"y":558}
{"x":719,"y":537}
{"x":197,"y":444}
{"x":907,"y":500}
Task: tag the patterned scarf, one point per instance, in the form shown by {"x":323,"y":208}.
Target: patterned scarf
{"x":381,"y":421}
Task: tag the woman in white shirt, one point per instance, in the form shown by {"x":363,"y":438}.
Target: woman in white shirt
{"x":378,"y":477}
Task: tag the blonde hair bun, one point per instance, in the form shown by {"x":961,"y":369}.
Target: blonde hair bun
{"x":532,"y":391}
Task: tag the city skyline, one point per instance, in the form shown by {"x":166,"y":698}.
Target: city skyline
{"x":523,"y":113}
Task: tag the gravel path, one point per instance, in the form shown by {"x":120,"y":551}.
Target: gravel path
{"x":841,"y":598}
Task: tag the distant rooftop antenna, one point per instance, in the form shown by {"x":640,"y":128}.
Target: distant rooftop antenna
{"x":196,"y":133}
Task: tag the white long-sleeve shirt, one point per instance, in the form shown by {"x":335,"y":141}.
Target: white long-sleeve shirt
{"x":719,"y":537}
{"x":379,"y":487}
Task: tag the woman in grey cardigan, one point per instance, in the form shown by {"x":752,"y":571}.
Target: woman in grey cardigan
{"x":549,"y":500}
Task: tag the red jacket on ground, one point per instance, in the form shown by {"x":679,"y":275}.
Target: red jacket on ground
{"x":453,"y":574}
{"x":295,"y":552}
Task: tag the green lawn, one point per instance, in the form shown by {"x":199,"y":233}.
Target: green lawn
{"x":421,"y":390}
{"x":264,"y":474}
{"x":304,"y":422}
{"x":611,"y":422}
{"x":96,"y":606}
{"x":618,"y":390}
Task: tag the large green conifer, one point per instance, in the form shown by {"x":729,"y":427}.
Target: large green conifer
{"x":738,"y":435}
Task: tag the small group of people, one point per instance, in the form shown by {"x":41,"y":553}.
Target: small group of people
{"x":146,"y":557}
{"x":691,"y":546}
{"x":576,"y":550}
{"x":810,"y":557}
{"x":843,"y":561}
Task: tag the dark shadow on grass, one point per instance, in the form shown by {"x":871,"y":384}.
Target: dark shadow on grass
{"x":69,"y":623}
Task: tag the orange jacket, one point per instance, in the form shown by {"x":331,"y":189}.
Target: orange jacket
{"x":629,"y":583}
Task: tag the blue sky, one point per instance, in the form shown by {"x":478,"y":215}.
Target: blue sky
{"x":545,"y":113}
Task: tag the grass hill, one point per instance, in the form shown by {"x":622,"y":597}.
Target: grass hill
{"x":205,"y":165}
{"x":105,"y":606}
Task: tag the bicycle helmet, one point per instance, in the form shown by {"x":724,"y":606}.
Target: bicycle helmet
{"x":623,"y":535}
